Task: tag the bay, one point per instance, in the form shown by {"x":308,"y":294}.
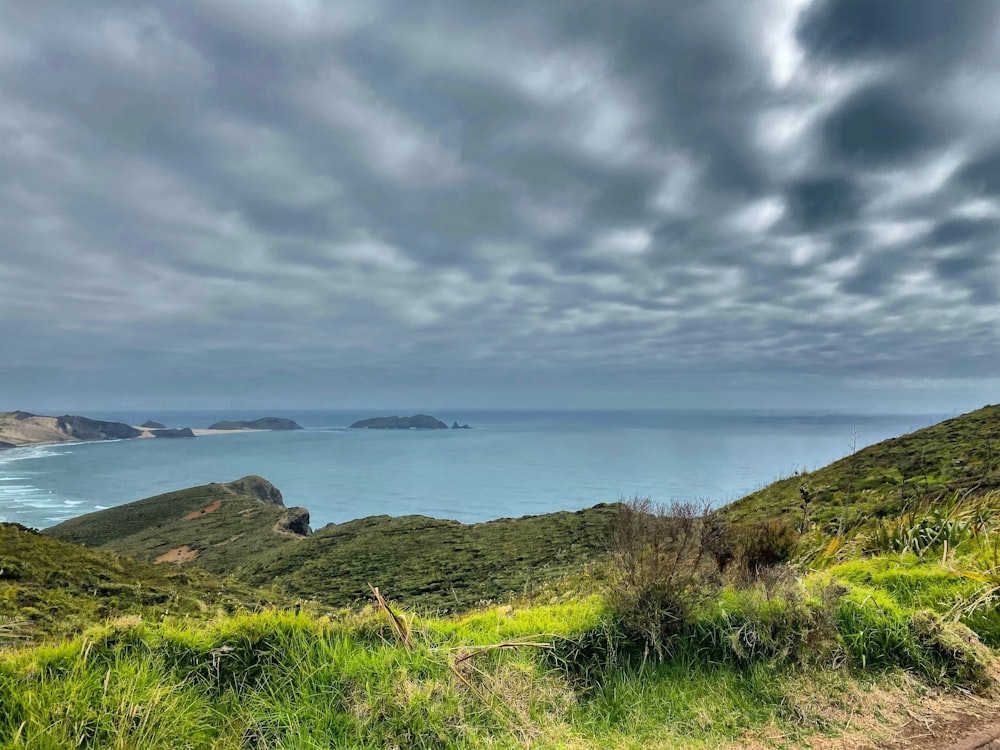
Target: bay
{"x":511,"y":463}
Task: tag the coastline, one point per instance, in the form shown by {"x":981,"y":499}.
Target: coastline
{"x":147,"y":434}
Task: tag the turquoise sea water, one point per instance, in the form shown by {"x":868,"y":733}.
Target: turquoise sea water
{"x":510,"y":464}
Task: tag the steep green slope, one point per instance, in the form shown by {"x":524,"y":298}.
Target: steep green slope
{"x":434,"y":563}
{"x":228,"y":528}
{"x":960,"y":455}
{"x":50,"y":587}
{"x":221,"y":526}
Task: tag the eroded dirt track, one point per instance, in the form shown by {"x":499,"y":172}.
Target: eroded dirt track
{"x":958,"y":732}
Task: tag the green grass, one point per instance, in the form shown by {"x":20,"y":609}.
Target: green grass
{"x":434,"y":564}
{"x":885,"y":479}
{"x":427,"y":562}
{"x":52,"y":588}
{"x":546,"y":676}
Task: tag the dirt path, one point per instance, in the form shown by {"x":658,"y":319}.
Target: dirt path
{"x":978,"y":729}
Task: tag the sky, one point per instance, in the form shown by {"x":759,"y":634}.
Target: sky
{"x":775,"y":204}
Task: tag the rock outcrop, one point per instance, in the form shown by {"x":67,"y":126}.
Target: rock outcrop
{"x":259,"y":488}
{"x":295,"y":521}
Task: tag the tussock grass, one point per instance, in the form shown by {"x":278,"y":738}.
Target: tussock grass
{"x":778,"y":658}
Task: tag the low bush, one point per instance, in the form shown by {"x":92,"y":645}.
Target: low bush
{"x":662,"y":569}
{"x":765,"y":544}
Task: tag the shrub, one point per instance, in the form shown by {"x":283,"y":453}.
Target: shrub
{"x":662,"y":568}
{"x":765,"y":545}
{"x":784,"y":621}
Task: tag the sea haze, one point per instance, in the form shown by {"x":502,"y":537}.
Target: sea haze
{"x":509,"y":464}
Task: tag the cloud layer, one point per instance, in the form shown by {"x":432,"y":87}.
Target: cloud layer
{"x":305,"y":202}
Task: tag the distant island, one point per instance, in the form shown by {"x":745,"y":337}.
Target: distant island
{"x":264,"y":423}
{"x":151,"y":425}
{"x":182,"y":432}
{"x":416,"y":422}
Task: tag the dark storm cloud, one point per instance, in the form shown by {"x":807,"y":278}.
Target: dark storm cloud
{"x":960,"y":231}
{"x":335,"y":196}
{"x":981,"y":174}
{"x":816,"y":202}
{"x":853,"y":29}
{"x":879,"y":126}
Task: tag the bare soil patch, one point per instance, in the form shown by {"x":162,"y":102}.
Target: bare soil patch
{"x":178,"y":555}
{"x":211,"y":508}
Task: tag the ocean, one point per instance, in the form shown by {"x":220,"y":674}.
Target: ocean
{"x":511,"y":463}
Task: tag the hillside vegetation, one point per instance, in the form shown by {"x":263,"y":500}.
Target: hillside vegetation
{"x":216,"y":526}
{"x":435,"y":564}
{"x":957,"y":456}
{"x":242,"y":528}
{"x":765,"y":664}
{"x":52,"y":588}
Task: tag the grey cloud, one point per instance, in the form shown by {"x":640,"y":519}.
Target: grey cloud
{"x":341,"y":194}
{"x":957,"y":231}
{"x":981,"y":174}
{"x":817,"y":202}
{"x":849,"y":29}
{"x":876,"y":125}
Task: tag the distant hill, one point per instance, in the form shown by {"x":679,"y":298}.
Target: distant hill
{"x":416,"y":422}
{"x":264,"y":423}
{"x":51,"y":587}
{"x":23,"y":428}
{"x":444,"y":565}
{"x":18,"y":428}
{"x":217,"y":525}
{"x":242,"y":528}
{"x":182,"y":432}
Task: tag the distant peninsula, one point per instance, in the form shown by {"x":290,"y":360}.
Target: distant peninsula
{"x":18,"y":428}
{"x":264,"y":423}
{"x":22,"y":428}
{"x":416,"y":422}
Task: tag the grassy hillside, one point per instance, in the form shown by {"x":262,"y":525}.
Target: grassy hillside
{"x":228,"y":529}
{"x":442,"y":565}
{"x":775,"y":664}
{"x":216,"y":526}
{"x":49,"y":587}
{"x":960,"y":455}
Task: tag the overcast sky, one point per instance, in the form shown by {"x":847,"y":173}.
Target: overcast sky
{"x":566,"y":203}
